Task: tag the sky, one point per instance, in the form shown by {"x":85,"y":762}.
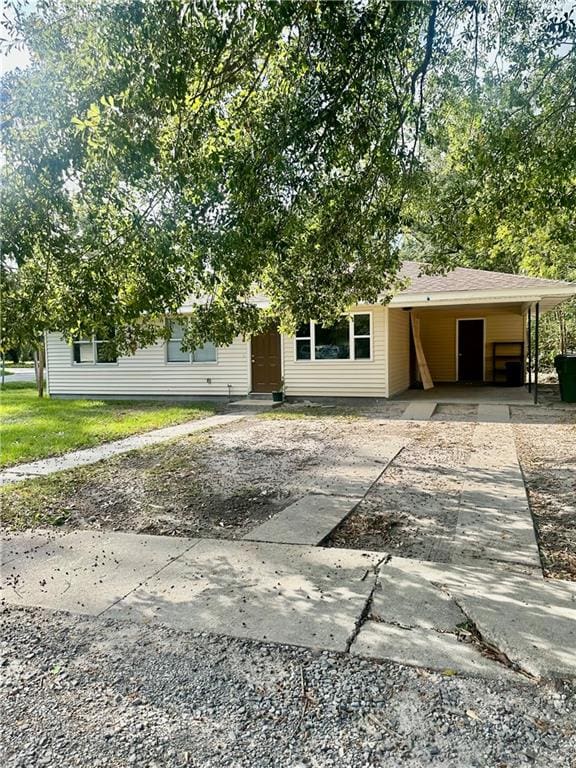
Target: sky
{"x":17,"y":57}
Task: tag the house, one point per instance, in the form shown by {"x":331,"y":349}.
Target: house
{"x":471,"y":326}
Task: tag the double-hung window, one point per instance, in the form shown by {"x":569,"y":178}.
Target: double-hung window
{"x":175,"y":353}
{"x":94,"y":351}
{"x":350,"y":338}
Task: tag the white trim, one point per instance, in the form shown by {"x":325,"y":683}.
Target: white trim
{"x":351,"y":338}
{"x":249,"y":346}
{"x":46,"y":363}
{"x":487,"y":295}
{"x":463,"y":319}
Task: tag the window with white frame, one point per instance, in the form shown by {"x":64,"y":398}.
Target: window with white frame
{"x":175,"y":353}
{"x":304,"y":342}
{"x":362,"y":336}
{"x":94,"y":351}
{"x":348,"y":339}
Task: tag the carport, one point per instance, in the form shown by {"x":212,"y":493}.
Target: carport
{"x":475,"y":334}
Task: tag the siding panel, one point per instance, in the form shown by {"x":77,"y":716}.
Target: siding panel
{"x":398,"y":351}
{"x":148,"y":373}
{"x":340,"y":378}
{"x":438,"y":333}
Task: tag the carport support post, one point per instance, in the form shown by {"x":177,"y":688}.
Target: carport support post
{"x":529,"y":349}
{"x":536,"y":351}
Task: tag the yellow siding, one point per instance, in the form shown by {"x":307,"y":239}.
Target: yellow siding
{"x":340,"y":378}
{"x":438,"y":333}
{"x":398,"y":351}
{"x":148,"y":373}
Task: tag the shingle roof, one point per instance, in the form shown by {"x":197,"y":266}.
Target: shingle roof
{"x":463,"y":279}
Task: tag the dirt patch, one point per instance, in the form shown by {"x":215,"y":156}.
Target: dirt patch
{"x":412,"y":510}
{"x":225,"y":482}
{"x":217,"y":484}
{"x":546,"y":444}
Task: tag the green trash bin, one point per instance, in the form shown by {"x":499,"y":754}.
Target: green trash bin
{"x":566,"y":368}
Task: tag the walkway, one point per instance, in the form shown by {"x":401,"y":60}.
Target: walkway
{"x":334,"y":491}
{"x":85,"y":456}
{"x":488,"y":612}
{"x":365,"y":603}
{"x":468,"y":393}
{"x":494,"y":521}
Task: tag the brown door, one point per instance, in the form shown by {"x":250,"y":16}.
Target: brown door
{"x":266,"y":366}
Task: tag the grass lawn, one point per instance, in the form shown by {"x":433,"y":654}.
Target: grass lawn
{"x":33,"y":428}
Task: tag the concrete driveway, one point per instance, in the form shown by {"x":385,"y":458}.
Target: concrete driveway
{"x":20,"y":374}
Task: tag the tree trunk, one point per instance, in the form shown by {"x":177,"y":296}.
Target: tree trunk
{"x":39,"y":369}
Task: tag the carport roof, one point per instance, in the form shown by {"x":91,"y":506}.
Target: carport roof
{"x":462,"y":286}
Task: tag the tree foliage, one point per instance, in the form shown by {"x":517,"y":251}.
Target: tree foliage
{"x":157,"y":151}
{"x":500,"y":186}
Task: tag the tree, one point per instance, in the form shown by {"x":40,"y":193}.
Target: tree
{"x":499,"y":187}
{"x":157,"y":151}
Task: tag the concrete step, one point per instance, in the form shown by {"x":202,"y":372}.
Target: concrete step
{"x":253,"y":405}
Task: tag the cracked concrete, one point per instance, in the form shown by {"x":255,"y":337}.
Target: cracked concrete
{"x":365,"y":603}
{"x":367,"y":610}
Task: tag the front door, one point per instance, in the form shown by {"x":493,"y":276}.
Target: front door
{"x":266,"y":364}
{"x":470,"y":350}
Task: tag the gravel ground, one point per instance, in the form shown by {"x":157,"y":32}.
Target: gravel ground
{"x":546,"y":443}
{"x":81,"y":691}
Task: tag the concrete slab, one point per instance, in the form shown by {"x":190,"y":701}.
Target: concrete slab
{"x":15,"y":546}
{"x":342,"y":479}
{"x":531,"y":620}
{"x":425,"y":648}
{"x":473,"y":395}
{"x":494,"y":413}
{"x":86,"y":571}
{"x":308,"y":521}
{"x":419,"y":410}
{"x":253,"y":406}
{"x":494,"y":520}
{"x":534,"y":624}
{"x":410,"y":600}
{"x":279,"y":593}
{"x":106,"y":450}
{"x":353,"y":475}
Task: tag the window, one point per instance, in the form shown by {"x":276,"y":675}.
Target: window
{"x":90,"y":351}
{"x":361,"y":333}
{"x":333,"y":343}
{"x":175,"y":353}
{"x":347,"y":339}
{"x":304,"y":342}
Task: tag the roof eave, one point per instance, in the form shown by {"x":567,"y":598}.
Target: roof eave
{"x":448,"y":298}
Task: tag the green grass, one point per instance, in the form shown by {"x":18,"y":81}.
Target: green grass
{"x":6,"y":372}
{"x":33,"y":428}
